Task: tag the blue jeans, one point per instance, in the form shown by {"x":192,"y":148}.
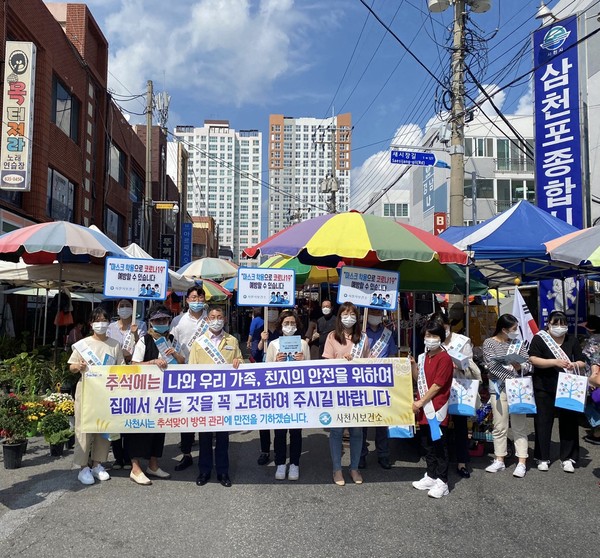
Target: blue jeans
{"x":335,"y":447}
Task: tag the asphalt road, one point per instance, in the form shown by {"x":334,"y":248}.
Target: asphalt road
{"x":46,"y":512}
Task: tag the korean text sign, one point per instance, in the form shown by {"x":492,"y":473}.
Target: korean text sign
{"x":559,"y":188}
{"x":17,"y":116}
{"x":140,"y":279}
{"x":187,"y":398}
{"x":371,"y":288}
{"x":266,"y":287}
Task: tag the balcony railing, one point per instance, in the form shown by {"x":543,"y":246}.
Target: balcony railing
{"x":514,"y":165}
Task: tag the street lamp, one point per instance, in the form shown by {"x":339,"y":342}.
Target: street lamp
{"x":457,"y":114}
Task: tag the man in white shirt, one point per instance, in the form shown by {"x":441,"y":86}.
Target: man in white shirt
{"x":191,"y":325}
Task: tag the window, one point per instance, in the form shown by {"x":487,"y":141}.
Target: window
{"x":395,"y":210}
{"x":65,"y":110}
{"x":113,"y":225}
{"x":60,"y":197}
{"x":137,"y":186}
{"x":117,"y":164}
{"x":485,"y":188}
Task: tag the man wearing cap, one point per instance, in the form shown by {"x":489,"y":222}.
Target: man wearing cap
{"x":215,"y":346}
{"x":189,"y":327}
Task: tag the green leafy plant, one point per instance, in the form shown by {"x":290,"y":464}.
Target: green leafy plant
{"x":33,"y":373}
{"x":13,"y":421}
{"x":56,"y":428}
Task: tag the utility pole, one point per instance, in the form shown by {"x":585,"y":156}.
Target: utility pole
{"x":474,"y":196}
{"x":330,"y":184}
{"x":146,"y":235}
{"x":457,"y":119}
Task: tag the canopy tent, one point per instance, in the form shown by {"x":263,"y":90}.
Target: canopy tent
{"x":511,"y":244}
{"x":49,"y":276}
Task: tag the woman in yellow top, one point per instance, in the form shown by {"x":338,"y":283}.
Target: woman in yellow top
{"x":215,"y":347}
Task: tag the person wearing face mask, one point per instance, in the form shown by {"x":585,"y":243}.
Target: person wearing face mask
{"x":551,"y":352}
{"x":433,"y":374}
{"x":154,"y":348}
{"x":126,"y":333}
{"x":289,"y":324}
{"x":383,"y":345}
{"x":266,"y":337}
{"x":256,"y":327}
{"x":312,"y":331}
{"x":215,"y":346}
{"x":96,"y":350}
{"x":186,"y":328}
{"x":325,"y":324}
{"x":346,"y":341}
{"x":505,"y":339}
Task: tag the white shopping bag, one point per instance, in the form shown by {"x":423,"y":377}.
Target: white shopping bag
{"x":463,"y":396}
{"x":571,"y":391}
{"x":519,"y":394}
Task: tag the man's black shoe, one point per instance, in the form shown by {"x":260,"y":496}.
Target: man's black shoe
{"x":263,"y":458}
{"x":362,"y":462}
{"x":186,"y":461}
{"x":384,"y":462}
{"x":202,"y":479}
{"x":224,"y":480}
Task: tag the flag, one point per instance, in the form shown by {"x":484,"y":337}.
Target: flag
{"x":527,"y":324}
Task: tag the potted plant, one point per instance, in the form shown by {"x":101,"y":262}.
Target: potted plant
{"x":56,"y":429}
{"x":65,"y":404}
{"x":13,"y":428}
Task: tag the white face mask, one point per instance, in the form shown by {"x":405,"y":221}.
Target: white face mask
{"x":558,"y":331}
{"x":125,"y":312}
{"x":273,"y":315}
{"x":216,"y":325}
{"x":348,"y":320}
{"x":100,"y":327}
{"x":512,"y":334}
{"x":374,"y":320}
{"x":432,"y":344}
{"x":326,"y":310}
{"x":289,"y":329}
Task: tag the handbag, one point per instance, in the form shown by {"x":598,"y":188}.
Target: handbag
{"x":463,"y":397}
{"x":571,"y":392}
{"x":519,"y":396}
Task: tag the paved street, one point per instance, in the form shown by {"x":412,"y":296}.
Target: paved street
{"x":45,"y":512}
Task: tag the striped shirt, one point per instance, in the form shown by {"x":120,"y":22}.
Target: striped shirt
{"x":494,"y":350}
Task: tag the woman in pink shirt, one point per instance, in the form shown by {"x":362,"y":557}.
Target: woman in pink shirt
{"x":346,"y":341}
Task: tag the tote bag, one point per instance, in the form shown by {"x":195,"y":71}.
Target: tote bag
{"x":519,"y":395}
{"x":463,"y":397}
{"x":571,"y":392}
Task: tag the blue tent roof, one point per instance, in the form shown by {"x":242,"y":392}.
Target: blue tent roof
{"x":513,"y":241}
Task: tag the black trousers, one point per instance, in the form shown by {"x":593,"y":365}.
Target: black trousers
{"x":144,"y":445}
{"x":119,"y":450}
{"x":221,"y":453}
{"x":568,"y":428}
{"x":186,"y":441}
{"x":436,"y":452}
{"x":265,"y":441}
{"x":461,"y":438}
{"x":280,"y":446}
{"x":382,"y":444}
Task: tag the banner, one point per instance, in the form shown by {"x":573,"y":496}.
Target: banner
{"x":562,"y":295}
{"x":558,"y":177}
{"x":189,"y":398}
{"x":167,"y":247}
{"x":369,"y":288}
{"x":527,"y":326}
{"x":266,"y":287}
{"x":136,"y":278}
{"x":186,"y":244}
{"x":17,"y":116}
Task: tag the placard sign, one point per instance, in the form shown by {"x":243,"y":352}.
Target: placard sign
{"x":140,"y":279}
{"x":369,"y":288}
{"x":303,"y":394}
{"x":266,"y":287}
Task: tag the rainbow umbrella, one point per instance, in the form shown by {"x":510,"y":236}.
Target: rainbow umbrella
{"x":358,"y":239}
{"x":576,"y":248}
{"x":215,"y":292}
{"x":305,"y":274}
{"x":209,"y":268}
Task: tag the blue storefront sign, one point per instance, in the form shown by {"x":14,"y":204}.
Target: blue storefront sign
{"x":559,"y":188}
{"x":186,"y":244}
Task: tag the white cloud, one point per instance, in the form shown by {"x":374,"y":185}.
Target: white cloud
{"x":232,"y":50}
{"x":497,"y":97}
{"x":525,"y":104}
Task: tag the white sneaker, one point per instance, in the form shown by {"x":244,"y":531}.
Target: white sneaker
{"x":426,"y":483}
{"x":85,"y":476}
{"x":100,"y":473}
{"x":496,"y":466}
{"x":543,"y":465}
{"x":567,"y":466}
{"x":294,"y":472}
{"x":520,"y":470}
{"x":280,"y":472}
{"x":439,"y":490}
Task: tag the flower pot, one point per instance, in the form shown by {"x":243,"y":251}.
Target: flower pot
{"x":71,"y":442}
{"x":57,"y":450}
{"x":13,"y":454}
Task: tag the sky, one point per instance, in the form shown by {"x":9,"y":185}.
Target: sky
{"x":241,"y":60}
